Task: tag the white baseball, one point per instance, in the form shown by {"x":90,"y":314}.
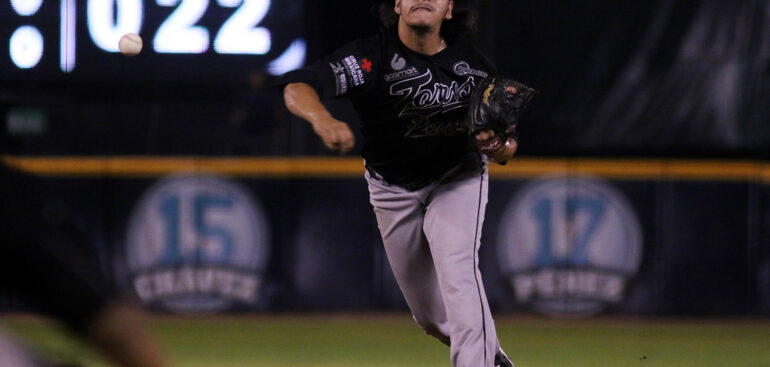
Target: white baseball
{"x":130,"y":44}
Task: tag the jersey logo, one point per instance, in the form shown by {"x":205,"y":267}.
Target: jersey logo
{"x":463,"y":68}
{"x":397,"y":63}
{"x":401,"y":74}
{"x":422,"y":99}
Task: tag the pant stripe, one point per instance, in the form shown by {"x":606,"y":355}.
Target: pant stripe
{"x":475,"y":265}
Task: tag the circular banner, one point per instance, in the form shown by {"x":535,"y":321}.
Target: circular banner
{"x":197,"y":244}
{"x":569,"y":245}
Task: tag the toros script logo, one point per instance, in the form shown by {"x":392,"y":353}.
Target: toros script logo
{"x":197,"y":244}
{"x":569,"y":246}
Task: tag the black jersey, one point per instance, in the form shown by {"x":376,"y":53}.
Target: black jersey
{"x":411,"y":105}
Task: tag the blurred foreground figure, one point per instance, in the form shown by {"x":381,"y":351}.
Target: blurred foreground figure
{"x":12,"y":355}
{"x":43,"y":264}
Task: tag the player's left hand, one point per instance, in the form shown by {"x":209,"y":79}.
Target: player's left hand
{"x":505,"y":153}
{"x":502,"y":154}
{"x":493,"y":114}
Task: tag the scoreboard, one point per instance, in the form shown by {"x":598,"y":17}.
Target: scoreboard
{"x":193,"y":40}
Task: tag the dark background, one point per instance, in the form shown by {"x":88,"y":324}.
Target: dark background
{"x":661,"y":78}
{"x":665,"y":79}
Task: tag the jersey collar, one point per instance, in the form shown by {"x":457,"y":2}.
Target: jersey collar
{"x":450,"y":46}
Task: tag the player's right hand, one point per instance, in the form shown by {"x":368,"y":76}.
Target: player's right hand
{"x":335,"y":134}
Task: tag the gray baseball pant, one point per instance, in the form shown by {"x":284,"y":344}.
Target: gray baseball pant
{"x":432,"y":237}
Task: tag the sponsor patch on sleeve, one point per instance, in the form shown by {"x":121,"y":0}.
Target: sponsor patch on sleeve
{"x":349,"y":73}
{"x":340,"y":78}
{"x":354,"y":69}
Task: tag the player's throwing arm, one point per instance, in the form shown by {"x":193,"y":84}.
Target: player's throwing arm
{"x":303,"y":101}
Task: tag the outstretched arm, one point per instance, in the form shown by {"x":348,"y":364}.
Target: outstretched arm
{"x":303,"y":101}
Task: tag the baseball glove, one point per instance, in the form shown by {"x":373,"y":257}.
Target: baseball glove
{"x":496,"y":105}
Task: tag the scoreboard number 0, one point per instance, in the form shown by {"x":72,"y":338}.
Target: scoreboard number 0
{"x":107,"y":23}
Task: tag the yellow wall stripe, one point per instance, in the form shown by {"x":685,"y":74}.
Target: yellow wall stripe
{"x":155,"y":166}
{"x":297,"y":167}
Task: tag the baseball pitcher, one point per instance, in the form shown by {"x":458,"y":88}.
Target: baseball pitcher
{"x":426,"y":158}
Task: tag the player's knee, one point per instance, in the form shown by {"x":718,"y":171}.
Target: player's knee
{"x":434,"y":329}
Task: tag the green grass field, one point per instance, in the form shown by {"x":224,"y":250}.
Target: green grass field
{"x":374,"y":340}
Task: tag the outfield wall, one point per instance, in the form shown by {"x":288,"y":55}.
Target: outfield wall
{"x":564,"y":237}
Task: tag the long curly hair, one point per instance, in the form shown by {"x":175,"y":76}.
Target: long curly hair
{"x":463,"y":22}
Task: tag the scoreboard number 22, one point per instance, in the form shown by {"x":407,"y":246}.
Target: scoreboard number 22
{"x":108,"y":20}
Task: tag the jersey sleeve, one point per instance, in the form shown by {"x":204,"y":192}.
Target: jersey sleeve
{"x":350,"y":69}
